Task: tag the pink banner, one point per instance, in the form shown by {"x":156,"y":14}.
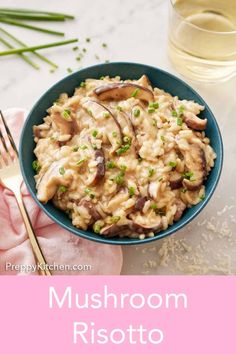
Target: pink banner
{"x":164,"y":315}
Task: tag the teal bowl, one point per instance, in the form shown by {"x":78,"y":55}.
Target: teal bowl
{"x":159,"y":78}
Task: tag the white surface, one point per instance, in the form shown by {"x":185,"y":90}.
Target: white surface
{"x":136,"y":31}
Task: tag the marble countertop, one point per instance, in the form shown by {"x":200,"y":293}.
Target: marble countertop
{"x":136,"y":31}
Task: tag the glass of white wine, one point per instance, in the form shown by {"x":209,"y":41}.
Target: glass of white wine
{"x":202,"y":38}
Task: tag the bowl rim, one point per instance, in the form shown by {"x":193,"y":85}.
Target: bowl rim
{"x":125,"y":241}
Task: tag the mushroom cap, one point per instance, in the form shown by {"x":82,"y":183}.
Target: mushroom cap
{"x":123,"y":91}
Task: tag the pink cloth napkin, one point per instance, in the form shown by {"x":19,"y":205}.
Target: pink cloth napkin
{"x":59,"y":246}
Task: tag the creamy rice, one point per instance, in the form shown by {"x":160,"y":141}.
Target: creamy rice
{"x":122,"y":158}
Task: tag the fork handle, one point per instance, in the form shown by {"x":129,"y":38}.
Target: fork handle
{"x":32,"y":237}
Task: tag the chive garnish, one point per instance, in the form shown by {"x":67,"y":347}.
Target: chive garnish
{"x":62,"y":170}
{"x":172,"y":164}
{"x":80,"y":162}
{"x":36,"y":166}
{"x":106,"y":114}
{"x":150,"y":172}
{"x":123,"y":149}
{"x":179,"y":121}
{"x":66,"y":114}
{"x":62,"y":189}
{"x":135,"y":92}
{"x":136,"y":112}
{"x":110,"y":164}
{"x":131,"y":191}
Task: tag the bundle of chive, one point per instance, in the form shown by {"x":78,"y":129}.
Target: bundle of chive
{"x":17,"y":17}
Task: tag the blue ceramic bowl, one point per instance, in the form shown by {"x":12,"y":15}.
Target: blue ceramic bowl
{"x":159,"y":78}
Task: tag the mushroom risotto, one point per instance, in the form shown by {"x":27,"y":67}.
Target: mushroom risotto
{"x":122,"y":158}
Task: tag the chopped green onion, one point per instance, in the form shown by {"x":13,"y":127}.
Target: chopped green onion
{"x":151,"y":110}
{"x":188,"y":175}
{"x":119,"y":108}
{"x":131,"y":191}
{"x":84,"y":50}
{"x":123,"y":149}
{"x":104,"y":45}
{"x":80,"y":162}
{"x":106,"y":114}
{"x":120,"y":178}
{"x":62,"y":170}
{"x":150,"y":172}
{"x":172,"y":164}
{"x":62,"y":189}
{"x":154,"y":123}
{"x":114,"y":134}
{"x":110,"y":164}
{"x":160,"y":179}
{"x":75,"y":148}
{"x":174,"y":113}
{"x":183,"y":190}
{"x":181,"y":109}
{"x":154,"y":105}
{"x":75,"y":48}
{"x":135,"y":92}
{"x":69,"y":70}
{"x":123,"y":167}
{"x":202,"y":197}
{"x":36,"y":166}
{"x":115,"y":219}
{"x":136,"y":112}
{"x":90,"y":112}
{"x":83,"y":147}
{"x":82,"y":84}
{"x":163,"y":138}
{"x":102,"y":78}
{"x":127,"y":140}
{"x":153,"y":206}
{"x":66,"y":114}
{"x":88,"y":40}
{"x":179,"y":121}
{"x":94,"y":133}
{"x":87,"y":190}
{"x":97,"y":227}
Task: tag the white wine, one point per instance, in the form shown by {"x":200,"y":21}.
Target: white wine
{"x":202,"y":38}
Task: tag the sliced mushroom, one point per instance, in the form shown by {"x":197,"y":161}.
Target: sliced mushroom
{"x":195,"y":161}
{"x":140,"y":203}
{"x":143,"y":228}
{"x":48,"y":184}
{"x":194,"y":122}
{"x":91,"y":209}
{"x":144,"y":81}
{"x":65,"y":126}
{"x":113,"y":128}
{"x":100,"y":159}
{"x":180,"y":209}
{"x":114,"y":230}
{"x":175,"y":180}
{"x":123,"y":91}
{"x":153,"y":189}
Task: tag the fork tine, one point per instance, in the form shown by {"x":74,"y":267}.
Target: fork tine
{"x":2,"y":161}
{"x":9,"y":134}
{"x":5,"y":150}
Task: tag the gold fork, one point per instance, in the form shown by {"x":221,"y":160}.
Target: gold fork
{"x":11,"y":178}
